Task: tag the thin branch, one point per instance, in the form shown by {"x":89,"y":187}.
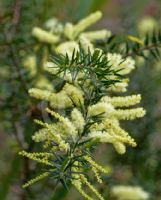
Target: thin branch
{"x":16,"y":65}
{"x":9,"y":34}
{"x":145,"y":48}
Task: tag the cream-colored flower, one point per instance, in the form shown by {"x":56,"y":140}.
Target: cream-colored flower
{"x":119,"y":87}
{"x":39,"y":94}
{"x":117,"y":62}
{"x":74,"y":93}
{"x":67,"y":48}
{"x":65,"y":126}
{"x":97,"y":35}
{"x":100,"y":108}
{"x":29,"y":62}
{"x":129,"y":114}
{"x":77,"y":119}
{"x":122,"y":192}
{"x":44,"y":36}
{"x":119,"y":147}
{"x":54,"y":25}
{"x":86,"y":44}
{"x":36,"y":179}
{"x":72,"y":31}
{"x":60,"y":100}
{"x":146,"y":24}
{"x":124,"y":101}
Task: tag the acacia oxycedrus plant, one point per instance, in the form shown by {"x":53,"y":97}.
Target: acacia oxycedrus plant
{"x":82,"y":110}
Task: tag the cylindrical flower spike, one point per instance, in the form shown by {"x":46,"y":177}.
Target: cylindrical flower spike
{"x":44,"y":36}
{"x":93,"y":163}
{"x":36,"y":157}
{"x":129,"y":114}
{"x":36,"y":179}
{"x":39,"y":94}
{"x":67,"y":48}
{"x":119,"y":147}
{"x":91,"y":187}
{"x":64,"y":146}
{"x":72,"y":31}
{"x":86,"y":44}
{"x":97,"y":35}
{"x":77,"y":119}
{"x":86,"y":22}
{"x":100,"y":108}
{"x":129,"y":192}
{"x":122,"y":101}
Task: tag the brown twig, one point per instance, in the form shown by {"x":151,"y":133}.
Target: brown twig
{"x":16,"y":12}
{"x":16,"y":65}
{"x":145,"y":48}
{"x":10,"y":35}
{"x":18,"y":137}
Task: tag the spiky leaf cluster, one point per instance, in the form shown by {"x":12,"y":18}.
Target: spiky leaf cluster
{"x":83,"y":67}
{"x":146,"y":47}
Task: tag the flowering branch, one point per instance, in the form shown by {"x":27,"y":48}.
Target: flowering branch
{"x":81,"y":109}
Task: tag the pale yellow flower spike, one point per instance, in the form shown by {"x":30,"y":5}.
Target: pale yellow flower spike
{"x":86,"y":22}
{"x":68,"y":128}
{"x":60,"y":100}
{"x":55,"y":114}
{"x":41,"y":135}
{"x":86,"y":44}
{"x":119,"y":87}
{"x":68,"y":31}
{"x":94,"y":164}
{"x":29,"y":62}
{"x":117,"y":130}
{"x":129,"y":114}
{"x":97,"y":175}
{"x":122,"y":192}
{"x":100,"y":108}
{"x":126,"y":139}
{"x":67,"y":48}
{"x":57,"y":100}
{"x":122,"y":101}
{"x":87,"y":197}
{"x":36,"y":157}
{"x":39,"y":94}
{"x":77,"y":119}
{"x":36,"y":179}
{"x":118,"y":62}
{"x":43,"y":154}
{"x":72,"y":31}
{"x":74,"y":93}
{"x":77,"y":183}
{"x":61,"y":143}
{"x":111,"y":137}
{"x":119,"y":147}
{"x":85,"y":181}
{"x":97,"y":35}
{"x":44,"y":36}
{"x":57,"y":137}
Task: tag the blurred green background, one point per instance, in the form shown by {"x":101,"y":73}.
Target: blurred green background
{"x":140,"y":166}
